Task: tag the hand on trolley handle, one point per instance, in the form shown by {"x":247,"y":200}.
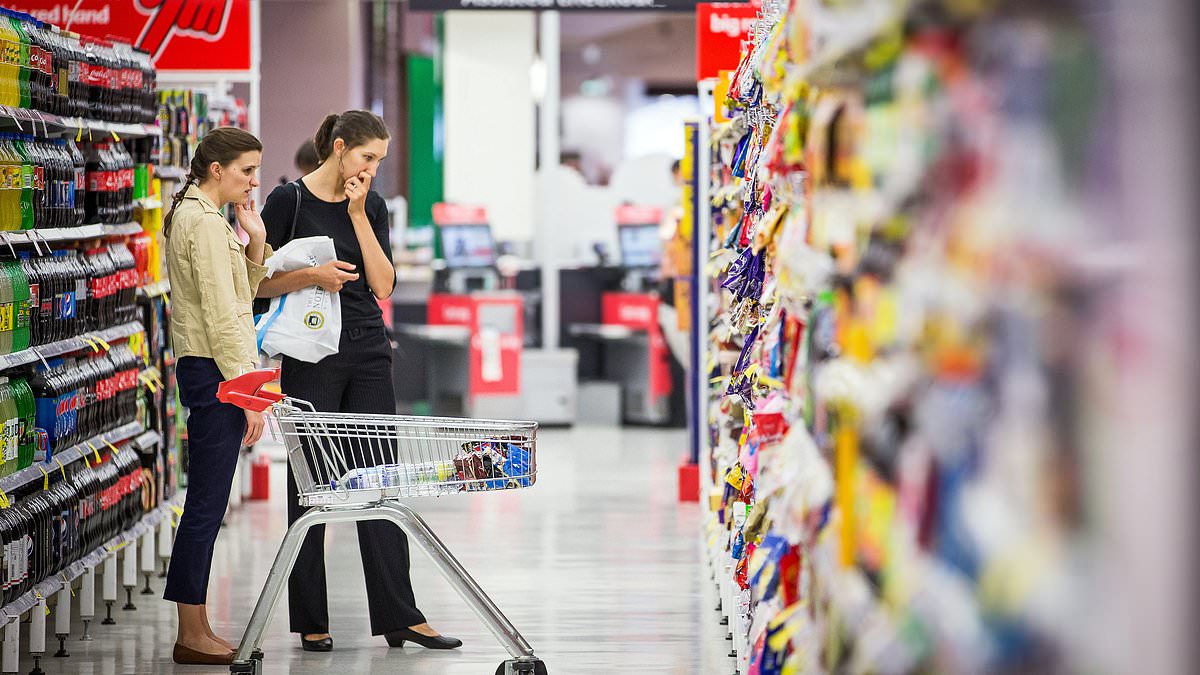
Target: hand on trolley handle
{"x":429,"y":456}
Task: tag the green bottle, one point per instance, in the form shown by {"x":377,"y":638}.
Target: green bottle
{"x":20,"y":285}
{"x":12,"y":429}
{"x":25,"y":406}
{"x":7,"y":417}
{"x":23,"y":64}
{"x":26,"y":183}
{"x":6,"y":311}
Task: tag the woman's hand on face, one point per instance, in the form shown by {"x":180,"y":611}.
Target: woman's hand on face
{"x":356,"y":191}
{"x":251,"y":221}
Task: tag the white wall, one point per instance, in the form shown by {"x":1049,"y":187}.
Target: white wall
{"x":594,"y":126}
{"x":489,"y":117}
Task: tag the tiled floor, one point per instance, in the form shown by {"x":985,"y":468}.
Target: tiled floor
{"x":597,"y":566}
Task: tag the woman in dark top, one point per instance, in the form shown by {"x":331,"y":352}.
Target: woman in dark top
{"x":336,"y":201}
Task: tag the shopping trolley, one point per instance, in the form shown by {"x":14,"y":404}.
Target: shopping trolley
{"x":351,"y":467}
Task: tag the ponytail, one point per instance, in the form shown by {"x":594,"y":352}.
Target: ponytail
{"x":354,"y":127}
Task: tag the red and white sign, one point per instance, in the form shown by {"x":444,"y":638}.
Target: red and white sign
{"x":638,"y":215}
{"x":179,"y":34}
{"x":640,"y":311}
{"x":458,"y":214}
{"x":720,"y":29}
{"x":495,"y":361}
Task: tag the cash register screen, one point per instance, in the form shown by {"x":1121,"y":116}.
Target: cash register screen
{"x":465,"y":246}
{"x":640,"y":245}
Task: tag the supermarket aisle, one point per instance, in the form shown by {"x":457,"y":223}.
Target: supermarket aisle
{"x":598,"y":566}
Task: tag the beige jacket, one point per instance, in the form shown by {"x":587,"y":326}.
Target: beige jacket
{"x":212,"y":286}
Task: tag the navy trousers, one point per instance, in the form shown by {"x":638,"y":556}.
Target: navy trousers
{"x":358,"y":379}
{"x":215,"y":432}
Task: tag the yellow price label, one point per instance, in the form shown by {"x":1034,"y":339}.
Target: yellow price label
{"x":61,"y":468}
{"x":45,"y":479}
{"x":107,"y":347}
{"x":94,"y":451}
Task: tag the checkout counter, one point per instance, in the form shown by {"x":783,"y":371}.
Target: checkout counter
{"x":610,"y":316}
{"x":467,"y":337}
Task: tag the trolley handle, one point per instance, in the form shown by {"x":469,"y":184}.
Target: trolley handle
{"x":246,"y":391}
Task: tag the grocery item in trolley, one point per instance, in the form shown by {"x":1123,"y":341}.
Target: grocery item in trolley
{"x":395,"y":475}
{"x":488,"y":465}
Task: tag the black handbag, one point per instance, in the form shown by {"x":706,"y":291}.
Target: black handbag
{"x":262,"y":305}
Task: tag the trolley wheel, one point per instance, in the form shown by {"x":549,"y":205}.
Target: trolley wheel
{"x":250,"y":667}
{"x":535,"y":667}
{"x":257,"y":655}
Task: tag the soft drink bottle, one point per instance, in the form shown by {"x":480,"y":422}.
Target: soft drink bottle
{"x":41,"y":60}
{"x":8,"y":417}
{"x":6,"y":311}
{"x":78,"y":193}
{"x":8,"y":67}
{"x":38,"y":174}
{"x":26,"y":186}
{"x":33,"y":306}
{"x":9,"y":196}
{"x":20,"y":286}
{"x":24,"y":98}
{"x":27,"y":413}
{"x":93,"y":200}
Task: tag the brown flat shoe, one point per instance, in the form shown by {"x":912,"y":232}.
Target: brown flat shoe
{"x":186,"y":656}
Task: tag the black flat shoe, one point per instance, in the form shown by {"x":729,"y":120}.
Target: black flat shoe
{"x":323,"y":645}
{"x":396,"y":638}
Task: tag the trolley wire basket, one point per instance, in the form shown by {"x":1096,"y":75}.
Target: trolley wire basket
{"x":351,"y":467}
{"x":343,"y":458}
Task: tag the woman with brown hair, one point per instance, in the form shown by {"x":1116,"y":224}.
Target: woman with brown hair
{"x":335,"y":200}
{"x":213,"y":281}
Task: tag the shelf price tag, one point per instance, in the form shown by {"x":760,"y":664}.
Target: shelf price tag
{"x":95,"y":452}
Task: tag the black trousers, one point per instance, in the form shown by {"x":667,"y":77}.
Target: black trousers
{"x":215,"y":433}
{"x":357,"y":379}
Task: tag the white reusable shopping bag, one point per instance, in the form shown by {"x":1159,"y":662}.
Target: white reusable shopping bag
{"x":305,"y":324}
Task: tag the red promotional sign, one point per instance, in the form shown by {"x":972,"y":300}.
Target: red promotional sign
{"x":638,"y":215}
{"x":459,"y":214}
{"x":179,"y":34}
{"x":497,"y":336}
{"x":720,"y":29}
{"x":640,"y":311}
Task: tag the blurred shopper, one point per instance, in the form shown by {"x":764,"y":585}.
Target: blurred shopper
{"x":306,"y":159}
{"x":213,"y":280}
{"x":336,"y":201}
